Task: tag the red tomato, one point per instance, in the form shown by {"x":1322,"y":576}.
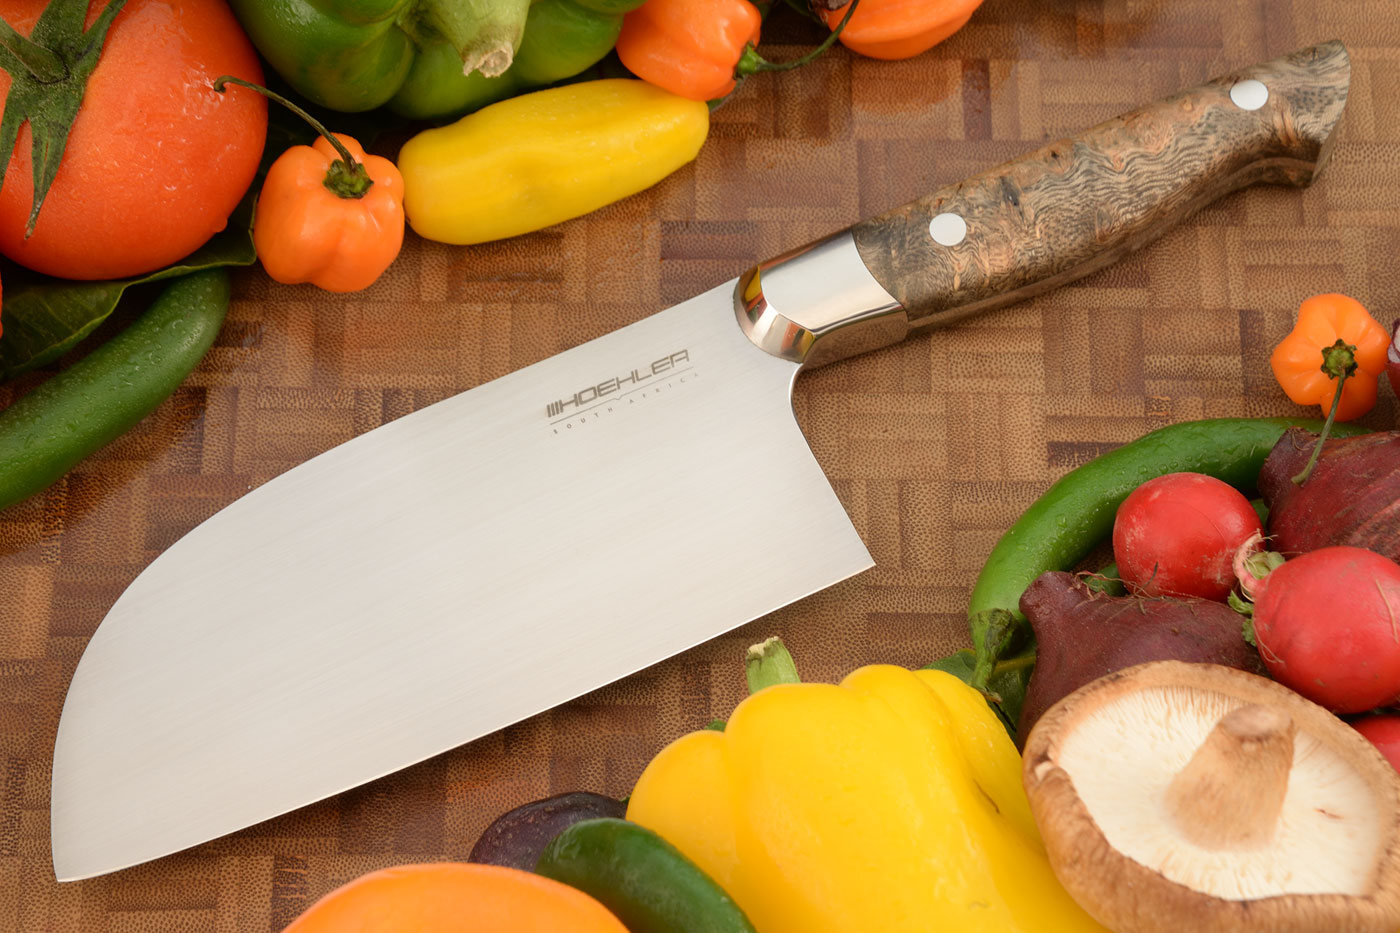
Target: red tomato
{"x":1176,"y":535}
{"x":1382,"y":731}
{"x":156,"y":160}
{"x":1328,"y":626}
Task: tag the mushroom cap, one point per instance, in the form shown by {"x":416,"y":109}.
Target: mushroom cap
{"x":1096,"y":770}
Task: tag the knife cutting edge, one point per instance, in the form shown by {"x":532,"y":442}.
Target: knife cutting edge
{"x":515,"y":546}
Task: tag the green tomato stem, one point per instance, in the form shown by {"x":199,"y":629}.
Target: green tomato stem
{"x":49,"y":71}
{"x":42,"y":63}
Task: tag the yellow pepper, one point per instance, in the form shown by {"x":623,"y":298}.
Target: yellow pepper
{"x":889,"y":803}
{"x":543,"y":158}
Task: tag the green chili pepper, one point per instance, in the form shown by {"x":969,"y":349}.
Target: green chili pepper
{"x":648,"y":884}
{"x":562,"y":38}
{"x":91,"y":403}
{"x":428,"y":59}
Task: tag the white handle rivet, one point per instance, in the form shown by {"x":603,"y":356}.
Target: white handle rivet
{"x":1249,"y":94}
{"x":947,"y":229}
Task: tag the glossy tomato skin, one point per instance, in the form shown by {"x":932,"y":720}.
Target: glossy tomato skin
{"x":1327,"y":628}
{"x":157,"y":160}
{"x":1176,"y":535}
{"x":1383,"y":731}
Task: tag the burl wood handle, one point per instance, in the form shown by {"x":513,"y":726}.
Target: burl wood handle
{"x":1078,"y":204}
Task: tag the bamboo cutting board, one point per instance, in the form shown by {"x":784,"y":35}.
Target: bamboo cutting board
{"x":934,"y":446}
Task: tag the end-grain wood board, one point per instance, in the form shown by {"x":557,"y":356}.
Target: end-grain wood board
{"x":934,"y":446}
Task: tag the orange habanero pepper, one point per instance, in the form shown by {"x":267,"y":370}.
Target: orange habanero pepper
{"x":701,"y":48}
{"x":328,"y":213}
{"x":897,"y":29}
{"x":1334,"y":338}
{"x":688,"y":47}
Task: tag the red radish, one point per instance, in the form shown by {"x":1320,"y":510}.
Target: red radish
{"x":1382,"y":731}
{"x":1328,"y":625}
{"x":1177,"y":535}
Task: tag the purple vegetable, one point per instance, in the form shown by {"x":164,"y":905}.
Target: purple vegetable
{"x":517,"y":838}
{"x":1352,"y":497}
{"x":1082,"y":635}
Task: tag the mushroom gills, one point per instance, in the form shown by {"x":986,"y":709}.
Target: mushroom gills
{"x":1300,"y":830}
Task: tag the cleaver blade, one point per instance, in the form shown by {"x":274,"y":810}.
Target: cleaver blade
{"x":544,"y":534}
{"x":454,"y":571}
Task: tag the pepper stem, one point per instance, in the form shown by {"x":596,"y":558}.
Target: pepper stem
{"x":1339,"y":362}
{"x":999,"y":631}
{"x":42,"y":63}
{"x":750,"y":62}
{"x":1019,"y":663}
{"x":484,"y":33}
{"x":346,"y":177}
{"x":769,"y":663}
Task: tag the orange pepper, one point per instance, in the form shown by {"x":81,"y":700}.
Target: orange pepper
{"x":327,"y":214}
{"x":448,"y":897}
{"x":689,"y":47}
{"x":1298,"y":360}
{"x":308,"y":228}
{"x":896,"y":29}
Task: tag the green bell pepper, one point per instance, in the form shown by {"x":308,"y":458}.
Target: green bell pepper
{"x":428,"y":59}
{"x":562,"y":38}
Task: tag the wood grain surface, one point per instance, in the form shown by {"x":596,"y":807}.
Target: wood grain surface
{"x":934,"y":446}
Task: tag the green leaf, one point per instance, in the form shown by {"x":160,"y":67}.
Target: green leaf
{"x":1006,"y":686}
{"x":44,"y":317}
{"x":960,"y":665}
{"x":1246,"y":610}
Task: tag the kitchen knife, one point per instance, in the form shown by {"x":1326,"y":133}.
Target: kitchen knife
{"x":536,"y":537}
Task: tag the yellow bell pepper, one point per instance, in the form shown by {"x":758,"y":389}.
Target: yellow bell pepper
{"x":542,"y":158}
{"x":891,"y":803}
